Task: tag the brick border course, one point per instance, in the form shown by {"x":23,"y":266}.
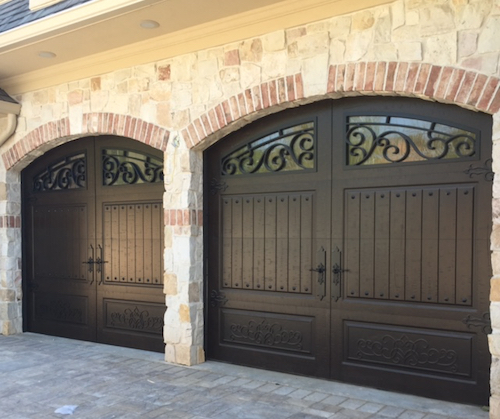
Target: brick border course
{"x":92,"y":123}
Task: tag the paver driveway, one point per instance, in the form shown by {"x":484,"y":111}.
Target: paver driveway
{"x":39,"y":374}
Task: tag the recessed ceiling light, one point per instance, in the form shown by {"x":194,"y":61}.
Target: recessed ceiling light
{"x":46,"y":54}
{"x":149,"y":24}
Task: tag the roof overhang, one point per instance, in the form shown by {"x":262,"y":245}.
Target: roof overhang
{"x":101,"y":35}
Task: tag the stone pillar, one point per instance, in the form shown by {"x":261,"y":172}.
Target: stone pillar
{"x":183,"y":332}
{"x":10,"y":255}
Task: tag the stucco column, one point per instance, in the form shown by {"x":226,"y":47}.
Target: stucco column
{"x":183,"y":331}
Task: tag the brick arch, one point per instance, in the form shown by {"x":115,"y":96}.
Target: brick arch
{"x":465,"y":88}
{"x":92,"y":124}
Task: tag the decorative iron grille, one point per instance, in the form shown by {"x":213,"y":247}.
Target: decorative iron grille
{"x":68,"y":173}
{"x":125,"y":167}
{"x":391,"y":139}
{"x":288,"y":149}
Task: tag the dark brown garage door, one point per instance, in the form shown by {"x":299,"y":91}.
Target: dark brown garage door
{"x":349,"y":240}
{"x":93,"y":242}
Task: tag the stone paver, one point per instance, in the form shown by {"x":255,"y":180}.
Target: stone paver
{"x":40,"y":373}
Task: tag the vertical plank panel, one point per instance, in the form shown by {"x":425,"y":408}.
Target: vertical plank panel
{"x":227,"y":206}
{"x":397,"y":245}
{"x":248,"y":238}
{"x":430,"y":231}
{"x":237,"y":248}
{"x":148,"y":248}
{"x":270,"y":243}
{"x":259,"y":248}
{"x":306,"y":242}
{"x":282,"y":243}
{"x":157,"y":248}
{"x":82,"y":238}
{"x":447,"y":244}
{"x":139,"y":243}
{"x":122,"y":213}
{"x":115,"y":242}
{"x":413,"y":256}
{"x":294,"y":227}
{"x":382,"y":230}
{"x":465,"y":252}
{"x":108,"y":254}
{"x":75,"y":242}
{"x":367,"y":244}
{"x":131,"y":256}
{"x":352,"y":232}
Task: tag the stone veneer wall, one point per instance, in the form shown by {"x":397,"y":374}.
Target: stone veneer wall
{"x":444,"y":50}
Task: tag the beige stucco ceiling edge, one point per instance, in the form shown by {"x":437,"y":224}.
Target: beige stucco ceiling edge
{"x":212,"y":34}
{"x":67,"y":20}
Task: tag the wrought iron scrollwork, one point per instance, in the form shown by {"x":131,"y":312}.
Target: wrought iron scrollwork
{"x":61,"y":311}
{"x":124,"y":167}
{"x":485,"y":170}
{"x":390,"y":139}
{"x":286,"y":150}
{"x":137,"y":319}
{"x":217,"y":298}
{"x":216,"y":186}
{"x":68,"y":173}
{"x":265,"y":333}
{"x":403,"y":351}
{"x":483,"y":322}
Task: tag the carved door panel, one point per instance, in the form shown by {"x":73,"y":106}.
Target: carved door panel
{"x":129,"y":214}
{"x":58,"y":224}
{"x":77,"y":235}
{"x":414,"y":243}
{"x":267,"y":245}
{"x":400,"y":216}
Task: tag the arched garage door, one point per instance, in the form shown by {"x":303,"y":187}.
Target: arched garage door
{"x":93,"y":242}
{"x":349,"y":240}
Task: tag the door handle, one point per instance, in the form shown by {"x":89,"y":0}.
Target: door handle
{"x":337,"y":274}
{"x":321,"y":270}
{"x":99,"y":261}
{"x":90,"y":262}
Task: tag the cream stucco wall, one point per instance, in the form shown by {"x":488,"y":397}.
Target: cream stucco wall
{"x":199,"y":97}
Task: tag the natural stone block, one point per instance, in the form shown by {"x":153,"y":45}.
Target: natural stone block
{"x":357,"y":45}
{"x":467,"y":43}
{"x":362,"y":21}
{"x":170,"y":284}
{"x":485,"y":63}
{"x":495,"y":406}
{"x":75,"y":97}
{"x":397,"y":14}
{"x":312,"y":45}
{"x":409,"y":51}
{"x":184,"y":315}
{"x":436,"y":20}
{"x":495,"y":290}
{"x":251,"y":50}
{"x":337,"y":51}
{"x":495,"y":315}
{"x":316,"y":74}
{"x":494,"y":345}
{"x":412,"y":18}
{"x":274,"y":41}
{"x":495,"y":376}
{"x":488,"y":37}
{"x":441,"y":49}
{"x":340,"y":27}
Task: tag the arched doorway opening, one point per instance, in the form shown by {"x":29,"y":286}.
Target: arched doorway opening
{"x":93,"y":242}
{"x":349,"y":240}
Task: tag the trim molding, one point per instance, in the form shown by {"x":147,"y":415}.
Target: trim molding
{"x":280,"y":16}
